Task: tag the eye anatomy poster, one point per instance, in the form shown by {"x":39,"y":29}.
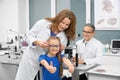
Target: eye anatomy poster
{"x":107,"y":14}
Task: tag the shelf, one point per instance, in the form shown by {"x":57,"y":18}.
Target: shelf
{"x":111,"y":54}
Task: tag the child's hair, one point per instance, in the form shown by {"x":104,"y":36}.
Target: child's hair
{"x":58,"y":54}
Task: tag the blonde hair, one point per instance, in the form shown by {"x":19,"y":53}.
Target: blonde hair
{"x":71,"y":30}
{"x":58,"y":54}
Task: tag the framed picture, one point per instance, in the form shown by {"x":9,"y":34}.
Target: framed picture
{"x":107,"y":14}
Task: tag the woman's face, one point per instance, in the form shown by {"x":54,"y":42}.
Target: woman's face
{"x":64,"y":24}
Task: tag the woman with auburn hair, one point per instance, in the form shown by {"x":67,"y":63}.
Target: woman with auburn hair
{"x":62,"y":25}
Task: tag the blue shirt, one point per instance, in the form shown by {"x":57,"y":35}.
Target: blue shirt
{"x":52,"y":33}
{"x":46,"y":75}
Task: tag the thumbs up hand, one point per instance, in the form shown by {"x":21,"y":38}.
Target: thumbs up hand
{"x":51,"y":69}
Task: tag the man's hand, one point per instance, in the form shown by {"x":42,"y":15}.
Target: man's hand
{"x":80,"y":60}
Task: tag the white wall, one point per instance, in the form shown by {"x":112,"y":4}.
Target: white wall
{"x":13,"y":15}
{"x":23,"y":13}
{"x":62,"y":4}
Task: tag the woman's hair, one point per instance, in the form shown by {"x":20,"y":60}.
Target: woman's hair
{"x":58,"y":54}
{"x":71,"y":30}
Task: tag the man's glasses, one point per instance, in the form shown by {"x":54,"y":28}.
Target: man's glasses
{"x":88,"y":32}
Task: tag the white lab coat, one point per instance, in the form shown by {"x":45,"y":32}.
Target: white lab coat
{"x":29,"y":64}
{"x":92,"y":52}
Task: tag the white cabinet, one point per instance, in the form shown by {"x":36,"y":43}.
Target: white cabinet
{"x":110,"y":59}
{"x":8,"y":71}
{"x":9,"y":66}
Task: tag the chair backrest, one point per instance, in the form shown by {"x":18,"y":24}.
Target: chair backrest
{"x":40,"y":73}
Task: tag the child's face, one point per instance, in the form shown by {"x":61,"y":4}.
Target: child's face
{"x":54,"y":47}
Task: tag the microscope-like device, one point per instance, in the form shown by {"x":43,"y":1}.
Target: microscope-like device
{"x":14,"y":47}
{"x":71,"y":45}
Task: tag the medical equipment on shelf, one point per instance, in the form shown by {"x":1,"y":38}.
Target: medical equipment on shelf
{"x":14,"y":45}
{"x":115,"y":46}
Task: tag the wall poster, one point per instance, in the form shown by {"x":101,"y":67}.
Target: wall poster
{"x":107,"y":14}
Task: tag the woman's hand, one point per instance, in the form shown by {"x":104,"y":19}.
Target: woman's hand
{"x":42,"y":44}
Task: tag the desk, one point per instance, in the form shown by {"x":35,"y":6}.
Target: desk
{"x":81,"y":68}
{"x":12,"y":61}
{"x":104,"y":72}
{"x":8,"y":66}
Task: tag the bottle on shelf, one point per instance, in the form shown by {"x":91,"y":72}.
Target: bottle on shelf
{"x":106,"y":48}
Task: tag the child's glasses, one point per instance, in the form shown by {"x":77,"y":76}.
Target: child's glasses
{"x":51,"y":45}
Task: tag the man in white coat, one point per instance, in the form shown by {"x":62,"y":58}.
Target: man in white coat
{"x":89,"y":49}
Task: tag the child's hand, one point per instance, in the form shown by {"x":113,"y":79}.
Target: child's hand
{"x":62,"y":47}
{"x":51,"y":69}
{"x":71,"y":69}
